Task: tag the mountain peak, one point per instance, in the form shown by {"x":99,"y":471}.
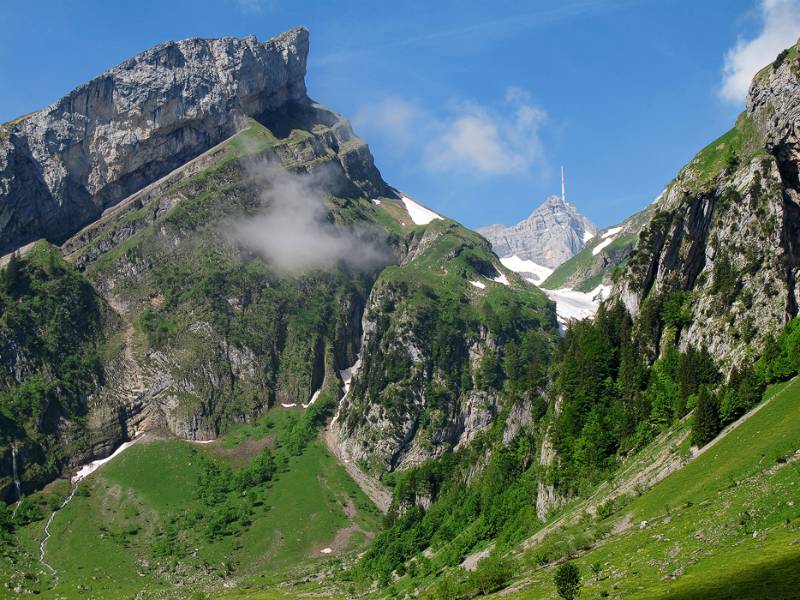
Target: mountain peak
{"x":553,"y":233}
{"x":62,"y":166}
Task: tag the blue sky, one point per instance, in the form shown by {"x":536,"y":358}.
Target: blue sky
{"x":469,"y":107}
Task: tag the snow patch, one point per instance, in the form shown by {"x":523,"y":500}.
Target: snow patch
{"x":418,"y":213}
{"x":288,"y":405}
{"x":587,"y":235}
{"x":202,"y":441}
{"x":612,"y":231}
{"x":572,"y":304}
{"x":90,"y":468}
{"x":478,"y":284}
{"x":376,"y":202}
{"x":501,"y":279}
{"x":314,"y":397}
{"x":326,"y":551}
{"x":348,"y":374}
{"x":596,"y":250}
{"x":527,"y":267}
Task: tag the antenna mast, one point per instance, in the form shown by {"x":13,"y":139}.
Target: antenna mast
{"x":563,"y":195}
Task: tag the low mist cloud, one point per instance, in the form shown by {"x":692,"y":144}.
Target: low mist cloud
{"x":294,"y":234}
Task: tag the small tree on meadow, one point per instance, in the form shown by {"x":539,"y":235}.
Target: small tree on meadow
{"x":568,"y":581}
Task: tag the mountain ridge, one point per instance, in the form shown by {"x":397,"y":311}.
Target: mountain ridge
{"x":62,"y":166}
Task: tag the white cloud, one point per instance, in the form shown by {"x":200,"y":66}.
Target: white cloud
{"x":467,"y":137}
{"x":780,"y":29}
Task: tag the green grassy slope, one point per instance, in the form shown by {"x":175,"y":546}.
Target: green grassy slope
{"x":104,"y":543}
{"x":727,"y":525}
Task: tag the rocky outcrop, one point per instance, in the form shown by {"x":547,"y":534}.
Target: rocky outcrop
{"x":553,"y":233}
{"x":62,"y":166}
{"x":419,"y":391}
{"x":727,"y":230}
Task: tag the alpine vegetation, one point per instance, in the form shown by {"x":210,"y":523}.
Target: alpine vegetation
{"x":236,"y":363}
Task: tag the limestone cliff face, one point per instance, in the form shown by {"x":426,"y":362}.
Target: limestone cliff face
{"x":553,"y":233}
{"x":430,"y":337}
{"x":175,"y":140}
{"x":394,"y":419}
{"x":728,"y":228}
{"x":62,"y":166}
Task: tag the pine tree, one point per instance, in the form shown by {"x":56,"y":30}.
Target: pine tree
{"x":705,"y":425}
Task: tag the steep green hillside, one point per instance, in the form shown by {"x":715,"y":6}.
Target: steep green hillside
{"x":167,"y":513}
{"x":724,"y":525}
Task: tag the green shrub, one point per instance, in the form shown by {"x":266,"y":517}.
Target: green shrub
{"x":567,"y":580}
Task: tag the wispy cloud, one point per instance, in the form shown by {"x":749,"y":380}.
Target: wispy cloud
{"x":252,"y":7}
{"x":492,"y":29}
{"x":468,"y":137}
{"x":780,"y":28}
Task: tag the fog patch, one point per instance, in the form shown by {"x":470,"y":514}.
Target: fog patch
{"x":294,"y":232}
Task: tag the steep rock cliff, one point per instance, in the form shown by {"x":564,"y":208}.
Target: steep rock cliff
{"x":441,"y":331}
{"x":204,"y":332}
{"x":62,"y":166}
{"x":726,"y":230}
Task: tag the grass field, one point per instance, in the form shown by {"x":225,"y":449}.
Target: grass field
{"x":727,"y":525}
{"x":102,"y":542}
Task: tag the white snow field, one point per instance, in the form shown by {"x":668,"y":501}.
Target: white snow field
{"x":571,"y":304}
{"x":520,"y":265}
{"x":418,"y":213}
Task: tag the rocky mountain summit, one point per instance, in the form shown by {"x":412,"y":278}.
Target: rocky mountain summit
{"x":553,"y":233}
{"x":61,"y":167}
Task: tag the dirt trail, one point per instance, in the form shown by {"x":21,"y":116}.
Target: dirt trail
{"x":342,"y":538}
{"x":739,"y":421}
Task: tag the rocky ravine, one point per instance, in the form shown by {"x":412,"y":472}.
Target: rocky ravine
{"x":62,"y":166}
